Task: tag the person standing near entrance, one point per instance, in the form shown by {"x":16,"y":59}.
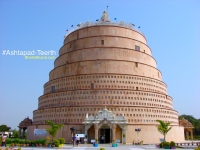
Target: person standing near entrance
{"x":73,"y":140}
{"x":100,"y":139}
{"x":3,"y":141}
{"x":103,"y":139}
{"x":77,"y":140}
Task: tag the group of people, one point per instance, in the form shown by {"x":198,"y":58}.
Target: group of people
{"x":75,"y":140}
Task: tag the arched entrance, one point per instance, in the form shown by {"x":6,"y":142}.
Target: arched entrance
{"x":105,"y":124}
{"x":105,"y":135}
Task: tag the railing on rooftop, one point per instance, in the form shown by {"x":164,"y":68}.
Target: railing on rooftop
{"x":88,"y":24}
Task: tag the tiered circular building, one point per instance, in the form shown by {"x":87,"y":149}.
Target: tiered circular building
{"x":107,"y":64}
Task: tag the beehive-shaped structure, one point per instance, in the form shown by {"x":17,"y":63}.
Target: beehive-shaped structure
{"x":107,"y":64}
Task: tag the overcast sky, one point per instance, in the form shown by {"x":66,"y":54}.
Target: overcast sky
{"x":172,"y":29}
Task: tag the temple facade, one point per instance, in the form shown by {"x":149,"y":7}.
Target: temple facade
{"x":105,"y":82}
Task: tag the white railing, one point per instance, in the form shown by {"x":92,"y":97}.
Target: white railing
{"x":88,"y":24}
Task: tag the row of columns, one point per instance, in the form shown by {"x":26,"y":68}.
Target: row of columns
{"x":96,"y":128}
{"x":187,"y":134}
{"x":22,"y":133}
{"x":113,"y":127}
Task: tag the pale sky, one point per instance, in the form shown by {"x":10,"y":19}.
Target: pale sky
{"x":172,"y":29}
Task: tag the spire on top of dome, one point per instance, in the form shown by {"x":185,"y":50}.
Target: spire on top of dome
{"x":105,"y":17}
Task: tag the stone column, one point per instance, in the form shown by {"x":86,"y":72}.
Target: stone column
{"x":123,"y":127}
{"x":187,"y":134}
{"x":191,"y":134}
{"x":23,"y":134}
{"x":114,"y":131}
{"x":96,"y":128}
{"x":86,"y":132}
{"x":123,"y":135}
{"x":20,"y":132}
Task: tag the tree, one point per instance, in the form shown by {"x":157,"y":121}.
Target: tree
{"x":163,"y":127}
{"x":4,"y":128}
{"x":54,"y":129}
{"x":15,"y":133}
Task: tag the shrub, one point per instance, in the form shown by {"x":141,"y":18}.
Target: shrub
{"x":62,"y":140}
{"x":197,"y":137}
{"x":28,"y":142}
{"x":166,"y":144}
{"x":197,"y":148}
{"x":56,"y":142}
{"x":9,"y":141}
{"x":161,"y":144}
{"x":21,"y":142}
{"x":32,"y":142}
{"x":16,"y":141}
{"x":172,"y":143}
{"x":42,"y":141}
{"x":47,"y":139}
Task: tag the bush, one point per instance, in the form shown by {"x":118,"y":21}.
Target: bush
{"x":161,"y":145}
{"x":16,"y":141}
{"x":21,"y":142}
{"x":32,"y":142}
{"x":42,"y":141}
{"x":197,"y":148}
{"x":56,"y":142}
{"x":9,"y":141}
{"x":28,"y":142}
{"x":197,"y":138}
{"x":166,"y":144}
{"x":47,"y":139}
{"x":62,"y":140}
{"x":172,"y":143}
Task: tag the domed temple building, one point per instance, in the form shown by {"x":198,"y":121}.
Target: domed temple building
{"x":105,"y":82}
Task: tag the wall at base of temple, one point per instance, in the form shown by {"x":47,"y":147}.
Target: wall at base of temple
{"x":64,"y":132}
{"x":148,"y":134}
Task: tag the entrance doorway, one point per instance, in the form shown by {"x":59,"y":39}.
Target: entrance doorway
{"x":105,"y":134}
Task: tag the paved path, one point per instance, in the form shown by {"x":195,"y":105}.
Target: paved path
{"x":90,"y":147}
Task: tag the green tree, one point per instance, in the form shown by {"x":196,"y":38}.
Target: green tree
{"x":4,"y":128}
{"x":163,"y":127}
{"x":54,"y":128}
{"x":15,"y":133}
